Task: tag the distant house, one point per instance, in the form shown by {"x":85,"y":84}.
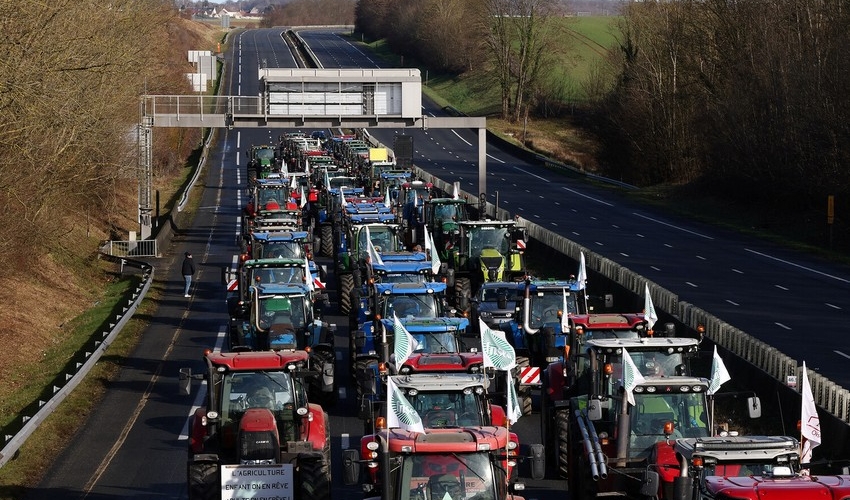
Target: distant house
{"x":234,"y":15}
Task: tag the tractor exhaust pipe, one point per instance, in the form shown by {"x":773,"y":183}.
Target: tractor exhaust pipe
{"x":526,"y":310}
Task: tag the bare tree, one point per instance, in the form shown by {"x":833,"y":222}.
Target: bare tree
{"x":519,"y":34}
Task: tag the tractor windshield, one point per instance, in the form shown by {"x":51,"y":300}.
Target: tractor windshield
{"x":271,"y":195}
{"x":243,"y":390}
{"x":743,"y":468}
{"x":282,"y":312}
{"x":547,"y":305}
{"x":685,"y":411}
{"x":264,"y":154}
{"x":289,"y":275}
{"x":411,"y":306}
{"x":447,"y":409}
{"x":383,"y":239}
{"x":444,"y":476}
{"x":435,"y":342}
{"x":489,"y":237}
{"x":281,"y":250}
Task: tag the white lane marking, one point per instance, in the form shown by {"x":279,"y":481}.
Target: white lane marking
{"x":494,"y":158}
{"x":461,"y":138}
{"x":700,"y":257}
{"x":655,"y":268}
{"x":842,"y":354}
{"x":737,"y":271}
{"x":833,"y":306}
{"x":843,"y":280}
{"x":691,"y":284}
{"x":781,"y":287}
{"x":732,"y":302}
{"x":672,"y":226}
{"x":782,"y":326}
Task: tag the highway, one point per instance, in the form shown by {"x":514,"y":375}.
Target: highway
{"x":134,"y":444}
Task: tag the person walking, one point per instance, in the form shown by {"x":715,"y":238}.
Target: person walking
{"x":188,"y":272}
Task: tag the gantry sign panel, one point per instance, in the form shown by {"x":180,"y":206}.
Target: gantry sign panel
{"x":342,"y":92}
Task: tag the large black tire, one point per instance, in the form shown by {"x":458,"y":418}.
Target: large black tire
{"x":314,"y":480}
{"x":463,"y":294}
{"x":561,"y":425}
{"x":523,"y":392}
{"x":359,"y":367}
{"x":346,"y":285}
{"x":204,"y":483}
{"x":327,"y":243}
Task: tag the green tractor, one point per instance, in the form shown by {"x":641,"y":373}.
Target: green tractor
{"x":482,"y":251}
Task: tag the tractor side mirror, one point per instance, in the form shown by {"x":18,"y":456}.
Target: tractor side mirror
{"x":754,"y":407}
{"x":185,"y":381}
{"x":649,"y":487}
{"x":594,"y":410}
{"x":350,"y":467}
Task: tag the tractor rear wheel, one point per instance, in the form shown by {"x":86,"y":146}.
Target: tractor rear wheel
{"x":463,"y":293}
{"x":327,"y":243}
{"x":204,"y":483}
{"x":561,"y":425}
{"x":315,"y":479}
{"x":346,"y":285}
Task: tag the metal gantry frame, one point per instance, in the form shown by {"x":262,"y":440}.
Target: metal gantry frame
{"x":192,"y":111}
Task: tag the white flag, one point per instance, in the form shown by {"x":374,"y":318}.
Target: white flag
{"x":631,"y":377}
{"x":374,"y":257}
{"x":809,"y":421}
{"x":565,"y":314}
{"x":719,"y":373}
{"x":387,"y":199}
{"x":429,"y":244}
{"x":327,"y":180}
{"x":403,"y":342}
{"x":308,"y":274}
{"x":514,"y":411}
{"x":292,"y":183}
{"x":400,"y":413}
{"x":582,"y":273}
{"x":456,"y":190}
{"x":498,"y":352}
{"x":303,"y":198}
{"x":649,"y":310}
{"x":435,"y":257}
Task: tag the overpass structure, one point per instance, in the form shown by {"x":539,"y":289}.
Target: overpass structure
{"x":296,"y":98}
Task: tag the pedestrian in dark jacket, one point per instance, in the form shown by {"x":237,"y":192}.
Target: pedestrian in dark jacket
{"x":188,"y":272}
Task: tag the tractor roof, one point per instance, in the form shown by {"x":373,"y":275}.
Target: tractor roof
{"x":256,"y":360}
{"x":441,"y":382}
{"x":277,"y":289}
{"x":410,"y":288}
{"x":738,"y":448}
{"x":455,"y":362}
{"x":282,"y":236}
{"x":670,"y":344}
{"x":275,"y":262}
{"x":435,"y":325}
{"x":544,"y":285}
{"x":467,"y":439}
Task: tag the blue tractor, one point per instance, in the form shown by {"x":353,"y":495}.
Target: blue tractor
{"x":283,"y":317}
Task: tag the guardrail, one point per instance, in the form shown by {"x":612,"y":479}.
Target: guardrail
{"x":130,"y":248}
{"x":828,"y":395}
{"x":75,"y":371}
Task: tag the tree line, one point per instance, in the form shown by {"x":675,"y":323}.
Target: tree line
{"x":744,"y":100}
{"x":71,"y":75}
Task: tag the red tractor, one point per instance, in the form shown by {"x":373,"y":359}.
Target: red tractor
{"x":746,"y":467}
{"x":439,"y":464}
{"x":256,"y":430}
